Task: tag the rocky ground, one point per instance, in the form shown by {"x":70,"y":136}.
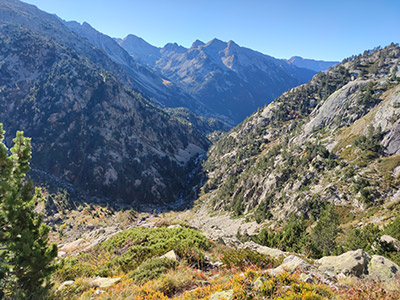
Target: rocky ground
{"x":337,"y":273}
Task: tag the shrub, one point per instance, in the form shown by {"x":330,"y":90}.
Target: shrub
{"x":242,"y":258}
{"x":393,"y":229}
{"x":127,"y":250}
{"x":152,"y":269}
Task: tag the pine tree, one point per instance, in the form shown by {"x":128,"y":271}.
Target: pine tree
{"x":323,"y":235}
{"x":26,"y":258}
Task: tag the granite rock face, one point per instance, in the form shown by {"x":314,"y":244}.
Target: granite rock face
{"x":291,"y":156}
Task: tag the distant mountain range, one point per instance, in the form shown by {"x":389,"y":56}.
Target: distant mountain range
{"x":315,"y":65}
{"x":121,"y":119}
{"x":229,"y":79}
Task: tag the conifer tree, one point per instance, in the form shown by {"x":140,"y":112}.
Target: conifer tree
{"x":26,"y":258}
{"x":323,"y":235}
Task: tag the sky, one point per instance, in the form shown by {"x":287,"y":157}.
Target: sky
{"x":317,"y":29}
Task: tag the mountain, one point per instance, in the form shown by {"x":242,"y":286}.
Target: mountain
{"x":90,"y":134}
{"x":143,"y":79}
{"x":335,"y":139}
{"x":103,"y":51}
{"x":315,"y":65}
{"x":139,"y":49}
{"x":230,"y":80}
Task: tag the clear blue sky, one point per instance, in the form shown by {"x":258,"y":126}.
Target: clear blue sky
{"x":319,"y":29}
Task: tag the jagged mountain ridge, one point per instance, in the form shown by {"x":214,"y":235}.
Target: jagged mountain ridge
{"x":103,"y":51}
{"x":152,"y":84}
{"x":335,"y":140}
{"x":312,"y":64}
{"x":231,"y":80}
{"x":89,"y":131}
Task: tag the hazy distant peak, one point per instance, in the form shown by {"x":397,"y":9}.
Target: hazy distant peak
{"x":197,"y":43}
{"x":86,"y":24}
{"x":174,"y":47}
{"x":294,"y":58}
{"x":232,"y":44}
{"x":216,"y":44}
{"x":315,"y":65}
{"x":133,"y":38}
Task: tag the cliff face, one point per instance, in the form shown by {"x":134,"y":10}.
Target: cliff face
{"x":89,"y":132}
{"x":334,"y":139}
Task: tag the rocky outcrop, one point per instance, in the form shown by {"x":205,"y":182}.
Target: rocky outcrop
{"x":291,"y":156}
{"x":291,"y":264}
{"x":360,"y":264}
{"x":264,"y":250}
{"x":103,"y":283}
{"x":391,"y":241}
{"x":383,"y":270}
{"x":171,"y":255}
{"x":352,"y":263}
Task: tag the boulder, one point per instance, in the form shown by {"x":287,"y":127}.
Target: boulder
{"x":61,"y":254}
{"x":258,"y":283}
{"x":75,"y":245}
{"x":225,"y":295}
{"x":351,"y":263}
{"x":171,"y":255}
{"x":382,"y":269}
{"x":276,"y":253}
{"x":65,"y":284}
{"x":291,"y":264}
{"x":102,"y":282}
{"x":391,"y":240}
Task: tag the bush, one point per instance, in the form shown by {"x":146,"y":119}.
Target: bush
{"x":292,"y":237}
{"x":152,"y":269}
{"x":393,"y":229}
{"x":242,"y":258}
{"x":127,"y":250}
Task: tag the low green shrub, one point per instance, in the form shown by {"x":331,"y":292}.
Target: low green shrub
{"x":152,"y":269}
{"x":127,"y":250}
{"x":243,"y":258}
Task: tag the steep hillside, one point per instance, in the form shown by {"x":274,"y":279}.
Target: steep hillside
{"x":315,"y":65}
{"x":150,"y":83}
{"x":89,"y":133}
{"x":230,"y":80}
{"x":102,"y":51}
{"x":332,"y":140}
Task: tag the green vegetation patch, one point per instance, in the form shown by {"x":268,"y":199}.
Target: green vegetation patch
{"x":127,"y":250}
{"x":152,"y":268}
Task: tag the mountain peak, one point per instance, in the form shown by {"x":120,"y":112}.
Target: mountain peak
{"x":232,"y":44}
{"x":315,"y":65}
{"x":174,"y":47}
{"x":216,"y":44}
{"x":132,"y":37}
{"x":197,"y":43}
